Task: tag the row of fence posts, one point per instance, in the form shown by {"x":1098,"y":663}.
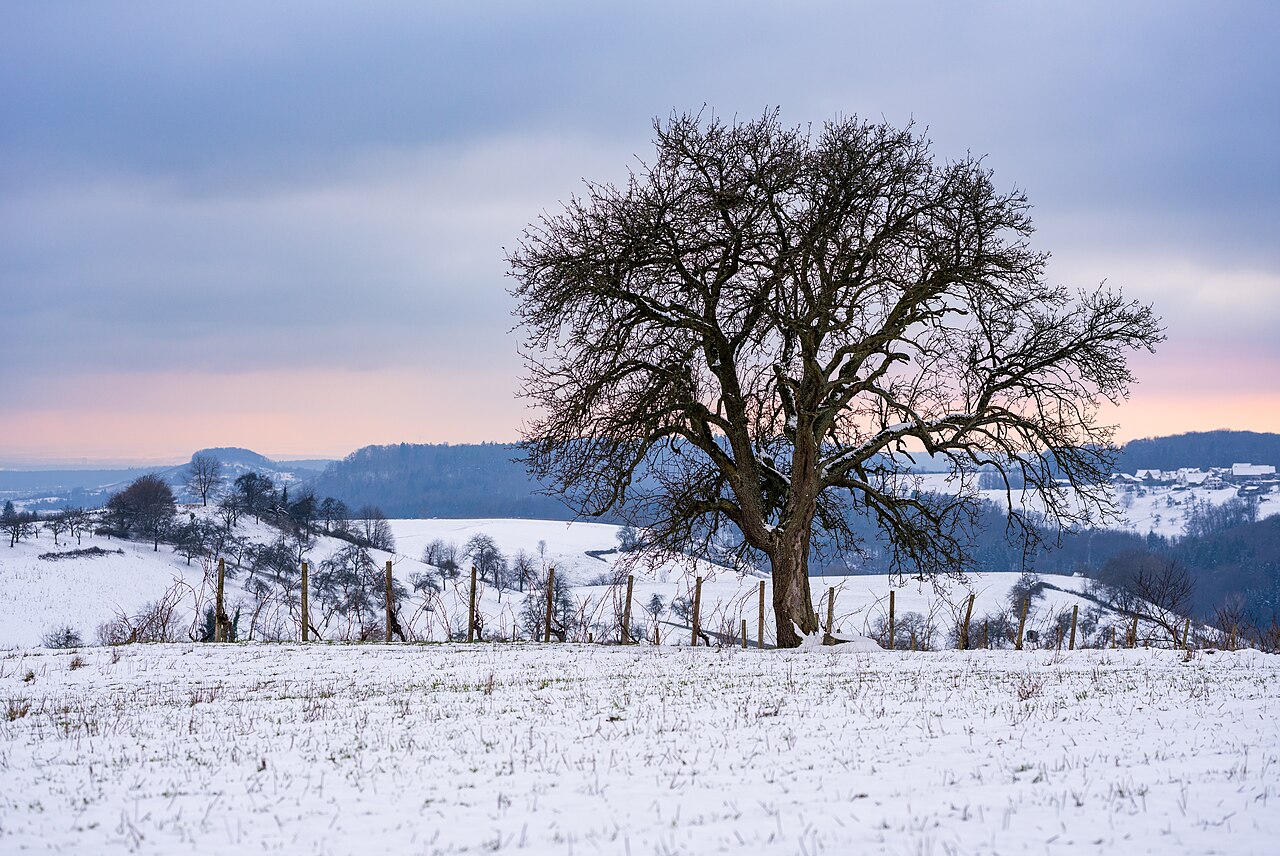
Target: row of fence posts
{"x":222,"y":622}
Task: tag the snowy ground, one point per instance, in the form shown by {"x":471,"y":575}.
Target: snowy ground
{"x":37,"y":595}
{"x":565,"y":749}
{"x":1162,"y":509}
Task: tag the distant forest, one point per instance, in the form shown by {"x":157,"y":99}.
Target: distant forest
{"x":487,"y":480}
{"x":1200,"y":449}
{"x":415,"y":480}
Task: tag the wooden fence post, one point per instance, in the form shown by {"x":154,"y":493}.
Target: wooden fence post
{"x":391,"y":606}
{"x":657,"y":634}
{"x":306,"y":611}
{"x":744,"y":634}
{"x":891,"y":619}
{"x":220,"y":619}
{"x":551,"y":594}
{"x":471,"y":610}
{"x":1186,"y":635}
{"x":626,"y":611}
{"x":831,"y":616}
{"x":760,"y":626}
{"x":1022,"y":622}
{"x":964,"y":628}
{"x":1133,"y":633}
{"x":697,"y":609}
{"x":1075,"y":614}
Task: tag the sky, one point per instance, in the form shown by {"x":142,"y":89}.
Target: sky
{"x":282,"y":226}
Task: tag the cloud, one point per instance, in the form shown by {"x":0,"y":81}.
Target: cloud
{"x":397,"y":258}
{"x":237,"y":189}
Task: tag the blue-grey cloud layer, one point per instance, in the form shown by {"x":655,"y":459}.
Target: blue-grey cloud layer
{"x":235,"y":185}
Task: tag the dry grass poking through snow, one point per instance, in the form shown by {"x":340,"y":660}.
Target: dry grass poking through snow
{"x":568,"y":749}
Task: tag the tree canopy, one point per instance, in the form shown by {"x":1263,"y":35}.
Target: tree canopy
{"x":766,"y":321}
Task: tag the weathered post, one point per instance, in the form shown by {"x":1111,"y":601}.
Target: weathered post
{"x":626,"y":611}
{"x":1075,"y":614}
{"x":306,"y":611}
{"x":1022,"y":622}
{"x":831,"y":616}
{"x":1133,"y":633}
{"x":657,"y":634}
{"x":760,"y":626}
{"x":1186,"y":634}
{"x":964,"y":628}
{"x":744,"y":634}
{"x":551,"y":594}
{"x":220,"y":618}
{"x":891,"y":619}
{"x":697,"y":609}
{"x":391,"y":606}
{"x":471,"y":610}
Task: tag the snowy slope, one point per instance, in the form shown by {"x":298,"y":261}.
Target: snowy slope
{"x":37,"y":595}
{"x":40,"y":595}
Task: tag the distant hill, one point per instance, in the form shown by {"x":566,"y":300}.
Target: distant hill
{"x":423,"y":480}
{"x":237,"y":462}
{"x":1199,"y":449}
{"x":50,"y":489}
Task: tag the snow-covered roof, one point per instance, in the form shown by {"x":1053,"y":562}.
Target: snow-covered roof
{"x":1252,"y":470}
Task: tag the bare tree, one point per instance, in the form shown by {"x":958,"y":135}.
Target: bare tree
{"x":760,"y":327}
{"x":488,"y":560}
{"x":1154,"y":588}
{"x":443,"y":555}
{"x":77,"y":521}
{"x":229,"y":511}
{"x":56,"y":525}
{"x":372,"y":529}
{"x":523,"y":570}
{"x":17,"y":524}
{"x":203,"y":476}
{"x":146,"y":507}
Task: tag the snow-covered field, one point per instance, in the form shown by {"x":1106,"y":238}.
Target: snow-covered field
{"x":339,"y":749}
{"x":38,"y":595}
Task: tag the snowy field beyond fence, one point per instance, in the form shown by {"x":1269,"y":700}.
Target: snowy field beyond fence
{"x":588,"y":749}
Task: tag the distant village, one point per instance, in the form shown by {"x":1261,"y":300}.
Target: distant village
{"x":1247,"y":479}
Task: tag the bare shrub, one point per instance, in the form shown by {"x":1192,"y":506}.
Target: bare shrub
{"x":155,"y":622}
{"x":64,"y":636}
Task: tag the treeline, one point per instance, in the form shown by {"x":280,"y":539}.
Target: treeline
{"x":1199,"y":450}
{"x":418,"y":480}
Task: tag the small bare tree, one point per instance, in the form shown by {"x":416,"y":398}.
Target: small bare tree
{"x":77,"y":521}
{"x":761,"y":326}
{"x":56,"y":525}
{"x":1152,"y":588}
{"x":203,"y":476}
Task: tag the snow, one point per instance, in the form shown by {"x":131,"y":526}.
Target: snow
{"x":1252,"y":470}
{"x":568,"y":749}
{"x":566,"y":543}
{"x":40,"y":596}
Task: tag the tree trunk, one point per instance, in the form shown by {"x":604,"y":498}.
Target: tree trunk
{"x":792,"y":599}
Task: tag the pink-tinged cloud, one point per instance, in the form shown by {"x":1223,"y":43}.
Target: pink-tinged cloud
{"x":166,"y":416}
